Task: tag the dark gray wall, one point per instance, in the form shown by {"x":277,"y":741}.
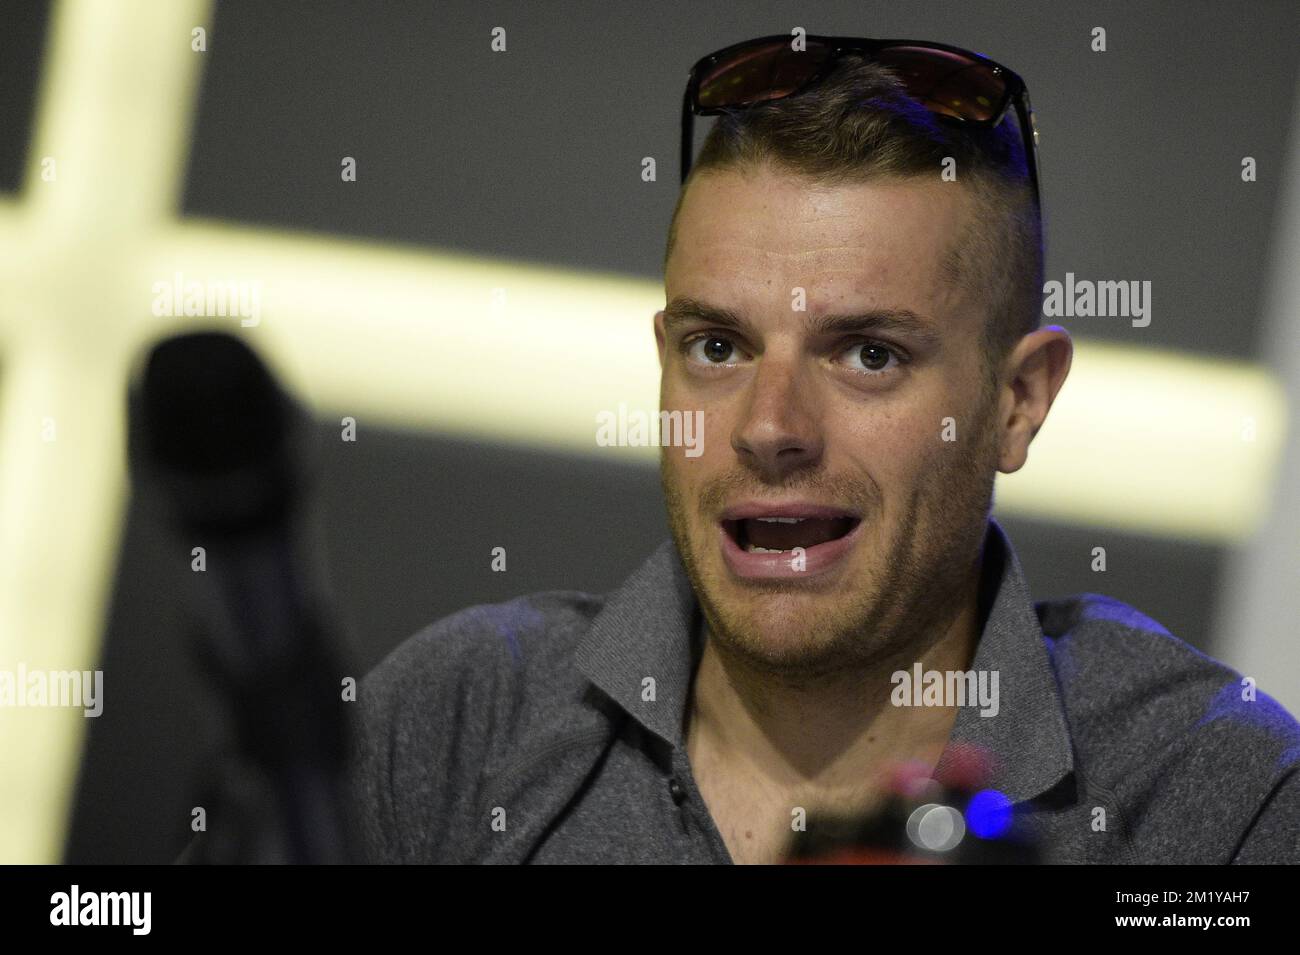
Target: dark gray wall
{"x":535,"y":154}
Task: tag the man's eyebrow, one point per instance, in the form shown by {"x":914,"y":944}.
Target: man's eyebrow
{"x":683,"y":310}
{"x":901,"y":321}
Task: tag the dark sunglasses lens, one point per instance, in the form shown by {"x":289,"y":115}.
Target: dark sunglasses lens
{"x":948,"y":83}
{"x":760,"y":73}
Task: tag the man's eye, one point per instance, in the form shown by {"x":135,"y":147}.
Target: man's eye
{"x":872,"y":358}
{"x":710,"y":350}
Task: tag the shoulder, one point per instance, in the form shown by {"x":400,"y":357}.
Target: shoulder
{"x":1106,"y":652}
{"x":1124,"y":674}
{"x":1172,"y":731}
{"x":465,"y":696}
{"x":478,"y":648}
{"x":487,"y":668}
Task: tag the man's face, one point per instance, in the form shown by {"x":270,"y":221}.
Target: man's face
{"x":838,"y":428}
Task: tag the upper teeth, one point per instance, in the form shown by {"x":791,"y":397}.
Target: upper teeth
{"x":781,"y":520}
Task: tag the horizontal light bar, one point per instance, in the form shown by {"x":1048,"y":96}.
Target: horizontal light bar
{"x":1140,"y":439}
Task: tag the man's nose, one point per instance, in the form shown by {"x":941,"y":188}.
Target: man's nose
{"x":780,"y":429}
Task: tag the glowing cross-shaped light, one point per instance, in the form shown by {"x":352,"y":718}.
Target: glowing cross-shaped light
{"x":353,"y":326}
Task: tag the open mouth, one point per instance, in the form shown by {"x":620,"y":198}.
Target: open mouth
{"x":778,"y":535}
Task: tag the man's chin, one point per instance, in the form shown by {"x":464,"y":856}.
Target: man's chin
{"x":788,"y":647}
{"x":777,"y":623}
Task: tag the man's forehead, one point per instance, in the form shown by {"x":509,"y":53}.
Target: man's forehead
{"x":753,"y":238}
{"x":787,"y":230}
{"x":727,"y":200}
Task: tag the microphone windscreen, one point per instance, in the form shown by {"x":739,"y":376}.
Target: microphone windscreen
{"x":212,"y":428}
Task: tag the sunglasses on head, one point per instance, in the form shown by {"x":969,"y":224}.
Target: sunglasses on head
{"x":957,"y":85}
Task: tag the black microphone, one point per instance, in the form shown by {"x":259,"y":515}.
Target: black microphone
{"x":227,"y":452}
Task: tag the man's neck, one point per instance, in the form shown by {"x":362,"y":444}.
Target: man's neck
{"x":829,"y":740}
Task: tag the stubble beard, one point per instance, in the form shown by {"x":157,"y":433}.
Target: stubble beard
{"x":912,"y":588}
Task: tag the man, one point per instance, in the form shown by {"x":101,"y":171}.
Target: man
{"x":852,"y":280}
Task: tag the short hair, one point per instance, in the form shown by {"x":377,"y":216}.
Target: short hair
{"x":859,"y":124}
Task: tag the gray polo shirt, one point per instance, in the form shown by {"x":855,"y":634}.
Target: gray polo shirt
{"x":520,"y":732}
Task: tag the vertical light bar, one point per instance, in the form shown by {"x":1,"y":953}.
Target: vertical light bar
{"x":1258,"y":628}
{"x":112,"y":114}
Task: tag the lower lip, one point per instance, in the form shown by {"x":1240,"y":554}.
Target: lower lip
{"x":817,"y":559}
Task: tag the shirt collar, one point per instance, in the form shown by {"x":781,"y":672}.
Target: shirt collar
{"x":647,"y":630}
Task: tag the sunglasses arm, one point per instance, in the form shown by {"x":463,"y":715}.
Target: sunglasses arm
{"x":1024,"y":116}
{"x":688,"y":125}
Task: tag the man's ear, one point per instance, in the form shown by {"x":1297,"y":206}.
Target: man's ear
{"x":661,"y":340}
{"x":1034,"y":373}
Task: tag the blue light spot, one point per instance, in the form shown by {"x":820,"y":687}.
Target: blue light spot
{"x":988,"y":814}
